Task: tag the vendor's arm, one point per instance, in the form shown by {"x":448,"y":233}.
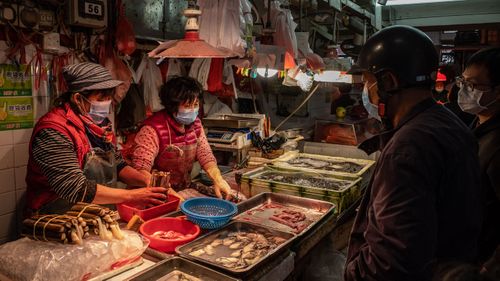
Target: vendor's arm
{"x":55,"y":154}
{"x":128,"y":174}
{"x":402,"y":224}
{"x":209,"y":164}
{"x":146,"y":148}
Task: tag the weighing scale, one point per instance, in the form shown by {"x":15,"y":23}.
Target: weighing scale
{"x":232,"y":132}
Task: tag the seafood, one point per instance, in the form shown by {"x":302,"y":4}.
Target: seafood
{"x":216,"y":242}
{"x":177,"y":275}
{"x":238,"y":249}
{"x":306,"y":180}
{"x":170,"y":235}
{"x":197,"y":253}
{"x":306,"y":162}
{"x":209,"y":250}
{"x":236,"y":254}
{"x":235,"y":245}
{"x":228,"y":241}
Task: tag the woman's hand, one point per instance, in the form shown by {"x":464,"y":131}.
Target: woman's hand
{"x":147,"y":196}
{"x":222,"y":185}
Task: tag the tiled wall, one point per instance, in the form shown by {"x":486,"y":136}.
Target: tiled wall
{"x":13,"y":160}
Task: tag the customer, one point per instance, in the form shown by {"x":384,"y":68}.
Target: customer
{"x":72,"y":154}
{"x":172,"y":139}
{"x":422,"y":205}
{"x":480,"y":94}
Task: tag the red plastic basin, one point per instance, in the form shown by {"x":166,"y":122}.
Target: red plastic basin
{"x":127,"y":211}
{"x":179,"y":224}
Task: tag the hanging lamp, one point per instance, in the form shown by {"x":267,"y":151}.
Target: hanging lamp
{"x":191,"y":46}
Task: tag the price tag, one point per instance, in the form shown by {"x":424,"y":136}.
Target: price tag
{"x":93,"y":9}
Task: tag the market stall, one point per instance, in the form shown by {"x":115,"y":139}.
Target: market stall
{"x":234,"y":140}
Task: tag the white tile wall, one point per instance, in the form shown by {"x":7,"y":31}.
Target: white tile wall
{"x":14,"y":153}
{"x":6,"y":156}
{"x":8,"y":223}
{"x":21,"y":136}
{"x":7,"y":181}
{"x":21,"y":154}
{"x":7,"y":202}
{"x":5,"y":137}
{"x":20,"y":176}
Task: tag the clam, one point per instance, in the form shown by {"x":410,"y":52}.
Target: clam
{"x":248,"y":247}
{"x":197,"y":253}
{"x":216,"y":242}
{"x":235,"y":245}
{"x":228,"y":241}
{"x":209,"y":250}
{"x":236,"y":254}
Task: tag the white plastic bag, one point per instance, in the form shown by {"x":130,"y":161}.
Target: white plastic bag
{"x":27,"y":259}
{"x":151,"y":78}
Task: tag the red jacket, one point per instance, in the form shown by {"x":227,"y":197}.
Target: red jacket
{"x":66,"y":121}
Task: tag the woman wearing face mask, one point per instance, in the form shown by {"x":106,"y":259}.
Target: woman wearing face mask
{"x":72,"y":154}
{"x":479,"y":94}
{"x":173,"y":138}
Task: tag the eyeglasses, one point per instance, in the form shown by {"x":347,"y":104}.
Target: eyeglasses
{"x":469,"y":86}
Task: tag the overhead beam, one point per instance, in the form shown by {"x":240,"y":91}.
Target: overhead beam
{"x":443,"y":14}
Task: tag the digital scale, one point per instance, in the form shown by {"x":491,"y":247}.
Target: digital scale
{"x":219,"y":135}
{"x":233,"y":132}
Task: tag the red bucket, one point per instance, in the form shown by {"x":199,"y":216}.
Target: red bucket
{"x":180,"y":225}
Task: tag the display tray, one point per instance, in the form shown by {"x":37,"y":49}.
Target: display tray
{"x":263,"y":209}
{"x":312,"y":182}
{"x":229,"y":121}
{"x":257,"y":245}
{"x":171,"y":269}
{"x":341,"y":192}
{"x":336,"y":166}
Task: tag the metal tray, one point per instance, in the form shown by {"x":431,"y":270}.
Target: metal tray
{"x":230,"y":121}
{"x":314,"y":210}
{"x":184,"y":250}
{"x":365,"y":164}
{"x":163,"y":268}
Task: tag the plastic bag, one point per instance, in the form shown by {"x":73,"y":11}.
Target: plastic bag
{"x":125,"y":37}
{"x":151,"y":78}
{"x":26,"y":259}
{"x":132,"y":109}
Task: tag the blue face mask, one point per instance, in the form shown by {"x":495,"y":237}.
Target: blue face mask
{"x":99,"y":110}
{"x":186,"y":117}
{"x":370,"y":107}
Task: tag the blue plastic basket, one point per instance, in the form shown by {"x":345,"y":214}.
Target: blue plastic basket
{"x":209,"y":213}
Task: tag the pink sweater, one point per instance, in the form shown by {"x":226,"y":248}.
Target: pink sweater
{"x":147,"y":146}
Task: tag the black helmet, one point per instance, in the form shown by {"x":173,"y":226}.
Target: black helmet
{"x":405,"y":51}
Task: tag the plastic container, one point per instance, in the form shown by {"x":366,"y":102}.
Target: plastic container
{"x":179,"y":224}
{"x":128,"y":211}
{"x":209,"y":213}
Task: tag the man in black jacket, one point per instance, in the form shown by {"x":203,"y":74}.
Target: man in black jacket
{"x":480,"y":94}
{"x":422,"y":206}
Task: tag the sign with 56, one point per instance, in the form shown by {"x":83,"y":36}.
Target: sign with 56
{"x":93,"y":9}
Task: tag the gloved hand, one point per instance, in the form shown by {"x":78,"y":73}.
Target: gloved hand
{"x":219,"y":183}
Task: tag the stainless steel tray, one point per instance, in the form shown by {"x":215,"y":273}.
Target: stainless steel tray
{"x":314,"y":210}
{"x":234,"y":226}
{"x":165,"y":267}
{"x":230,"y":121}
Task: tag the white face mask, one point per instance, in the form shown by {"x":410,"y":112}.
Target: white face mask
{"x":369,"y":106}
{"x":99,"y":110}
{"x":470,"y":101}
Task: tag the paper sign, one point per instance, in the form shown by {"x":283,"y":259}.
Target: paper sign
{"x":15,"y":80}
{"x":16,"y":113}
